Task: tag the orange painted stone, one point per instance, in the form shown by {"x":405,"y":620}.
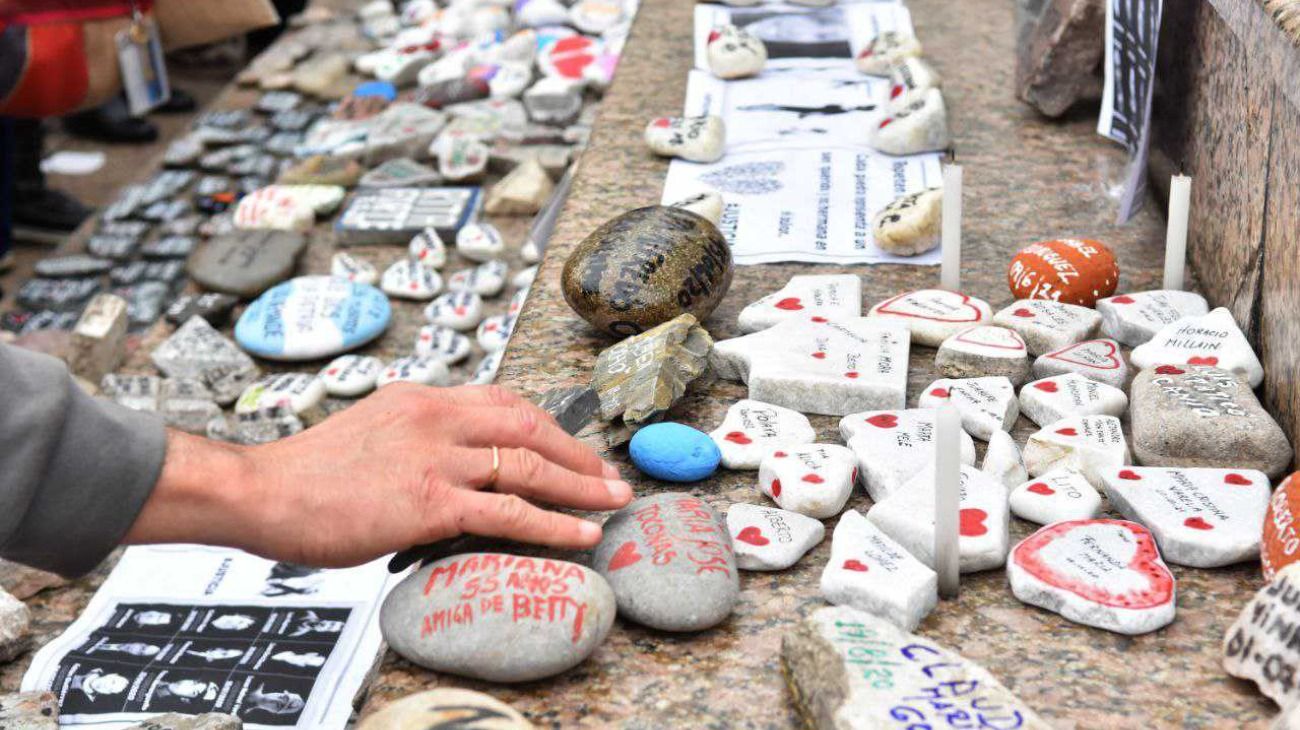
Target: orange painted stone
{"x":1070,"y":270}
{"x":1281,"y":544}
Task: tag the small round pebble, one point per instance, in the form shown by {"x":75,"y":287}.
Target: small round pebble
{"x":674,"y":452}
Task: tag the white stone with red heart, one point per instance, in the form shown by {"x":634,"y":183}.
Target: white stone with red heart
{"x":751,"y":429}
{"x":734,"y":53}
{"x":766,"y":538}
{"x":459,"y":310}
{"x":1202,"y":518}
{"x":892,"y":446}
{"x":1135,"y":318}
{"x":517,"y":302}
{"x":812,"y":479}
{"x":428,"y":248}
{"x":986,"y":404}
{"x":885,"y":50}
{"x":480,"y":242}
{"x":1099,"y":360}
{"x":1060,"y":396}
{"x":833,"y":296}
{"x":982,"y":538}
{"x":1102,"y":573}
{"x":1002,"y":460}
{"x":934,"y":315}
{"x":920,"y":126}
{"x":1213,"y":339}
{"x":353,"y":268}
{"x":421,"y":369}
{"x":815,"y":364}
{"x":984,"y":351}
{"x":909,"y":79}
{"x":443,"y":343}
{"x":1090,"y":444}
{"x":407,"y":279}
{"x":486,"y":279}
{"x":1047,"y":325}
{"x":1058,"y":495}
{"x":494,"y":332}
{"x":696,"y":139}
{"x":871,"y":572}
{"x":295,"y":391}
{"x":349,"y":376}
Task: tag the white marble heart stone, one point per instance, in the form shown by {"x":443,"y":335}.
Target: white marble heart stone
{"x":1090,"y":444}
{"x":1099,"y":360}
{"x":486,"y":279}
{"x":766,"y":538}
{"x":886,"y":50}
{"x":1212,"y":339}
{"x":734,"y":53}
{"x":459,"y":310}
{"x":1002,"y":460}
{"x":1102,"y":573}
{"x":414,"y":369}
{"x":349,"y":376}
{"x":353,"y":268}
{"x":695,"y":139}
{"x":1057,"y":496}
{"x":1061,"y":396}
{"x":982,"y":538}
{"x":814,"y":364}
{"x":480,"y":242}
{"x":984,"y":351}
{"x":428,"y":248}
{"x":1201,"y":518}
{"x":934,"y":315}
{"x":892,"y":446}
{"x":752,"y":428}
{"x":921,"y":126}
{"x":407,"y":279}
{"x":295,"y":391}
{"x":871,"y":572}
{"x":829,"y":295}
{"x":1135,"y":318}
{"x":442,"y":343}
{"x":985,"y":404}
{"x":494,"y":332}
{"x":1047,"y":325}
{"x":909,"y":79}
{"x":811,"y":479}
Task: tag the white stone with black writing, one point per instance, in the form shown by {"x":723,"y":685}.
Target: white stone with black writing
{"x":871,"y":572}
{"x":986,"y":404}
{"x":892,"y":446}
{"x":752,"y":428}
{"x":766,"y":538}
{"x":811,"y":479}
{"x":1058,"y":495}
{"x":1051,"y":399}
{"x":1213,"y":339}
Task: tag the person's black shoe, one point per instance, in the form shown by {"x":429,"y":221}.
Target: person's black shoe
{"x":180,"y":102}
{"x":46,"y":215}
{"x":111,"y":122}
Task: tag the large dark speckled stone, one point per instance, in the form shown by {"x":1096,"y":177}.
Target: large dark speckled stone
{"x":646,"y":267}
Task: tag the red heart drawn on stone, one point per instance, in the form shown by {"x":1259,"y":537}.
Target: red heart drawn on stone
{"x":970,"y":313}
{"x":855,"y":565}
{"x":753,"y":536}
{"x":738,"y":437}
{"x":1237,"y":480}
{"x":714,"y":35}
{"x":779,"y":454}
{"x":813,"y":479}
{"x":887,"y":121}
{"x":1112,"y":359}
{"x":819,"y":355}
{"x":1198,"y":523}
{"x":820,"y":320}
{"x":853,"y":478}
{"x":790,"y":304}
{"x":1022,"y":312}
{"x":1130,"y":475}
{"x":332,"y":371}
{"x":939,"y":393}
{"x":852,"y":374}
{"x":883,"y":420}
{"x":972,"y":522}
{"x":896,"y":91}
{"x":1122,"y":299}
{"x":1067,"y":431}
{"x":625,"y":555}
{"x":776,"y":487}
{"x":1040,"y":488}
{"x":1014,"y":338}
{"x":1047,"y":386}
{"x":1169,"y":370}
{"x":571,"y":67}
{"x":1198,"y":360}
{"x":866,"y":53}
{"x":460,"y":311}
{"x":663,"y":122}
{"x":1157,"y":585}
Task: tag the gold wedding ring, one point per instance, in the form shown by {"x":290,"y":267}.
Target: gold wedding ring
{"x":496,"y":468}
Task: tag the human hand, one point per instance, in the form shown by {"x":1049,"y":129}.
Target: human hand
{"x":406,"y":466}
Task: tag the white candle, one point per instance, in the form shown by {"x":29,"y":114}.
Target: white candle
{"x":950,"y":270}
{"x":947,"y":491}
{"x":1180,"y":198}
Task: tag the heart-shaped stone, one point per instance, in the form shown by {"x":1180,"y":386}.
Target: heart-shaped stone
{"x":934,"y":315}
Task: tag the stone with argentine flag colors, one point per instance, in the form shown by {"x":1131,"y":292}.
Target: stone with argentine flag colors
{"x":312,"y":317}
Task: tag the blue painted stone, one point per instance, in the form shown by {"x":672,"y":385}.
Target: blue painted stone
{"x":382,"y":89}
{"x":312,"y":317}
{"x":674,"y":452}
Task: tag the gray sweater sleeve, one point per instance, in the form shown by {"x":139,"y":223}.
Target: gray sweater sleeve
{"x":74,"y":470}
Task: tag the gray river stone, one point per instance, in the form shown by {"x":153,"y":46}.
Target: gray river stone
{"x":497,"y":617}
{"x":670,"y":561}
{"x":246,"y":263}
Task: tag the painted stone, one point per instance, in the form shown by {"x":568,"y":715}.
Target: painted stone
{"x":400,"y":173}
{"x":353,"y":268}
{"x":595,"y":16}
{"x":459,"y":310}
{"x":402,"y":131}
{"x":428,"y":248}
{"x":461,"y":157}
{"x":553,"y":100}
{"x":1099,"y":360}
{"x":312,"y":317}
{"x":670,"y":561}
{"x":442,"y":343}
{"x":706,"y":205}
{"x":850,"y":669}
{"x":1047,"y":325}
{"x":569,"y":58}
{"x":734,"y":53}
{"x":870,"y":572}
{"x":885,"y":51}
{"x":517,"y":302}
{"x":934,"y":315}
{"x":1057,"y":496}
{"x":1280,"y":545}
{"x":921,"y":126}
{"x":771,"y":539}
{"x":322,"y":170}
{"x":407,"y":279}
{"x":494,"y":332}
{"x":604,"y":279}
{"x":486,"y":371}
{"x":1070,"y":270}
{"x":294,"y":391}
{"x":811,"y":479}
{"x":187,"y":404}
{"x":909,"y":79}
{"x":246,"y":263}
{"x":694,"y":139}
{"x":349,"y":376}
{"x":641,"y":377}
{"x":1198,"y":415}
{"x":497,"y":617}
{"x":420,"y":369}
{"x":985,"y":404}
{"x":834,"y":296}
{"x":486,"y":279}
{"x":286,"y":207}
{"x":1213,"y":339}
{"x":893,"y":446}
{"x":197,"y":350}
{"x":447,"y":707}
{"x":1135,"y":318}
{"x":480,"y":242}
{"x":751,"y":429}
{"x":1089,"y":444}
{"x":984,"y":351}
{"x":982,"y":539}
{"x":1049,"y":400}
{"x":909,"y":225}
{"x":674,"y":452}
{"x":1102,"y":573}
{"x":1002,"y":460}
{"x":1202,"y":518}
{"x":818,"y":365}
{"x":1258,"y":645}
{"x":137,"y":392}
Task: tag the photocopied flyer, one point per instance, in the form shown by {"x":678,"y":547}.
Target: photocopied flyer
{"x":799,"y":36}
{"x":193,"y":629}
